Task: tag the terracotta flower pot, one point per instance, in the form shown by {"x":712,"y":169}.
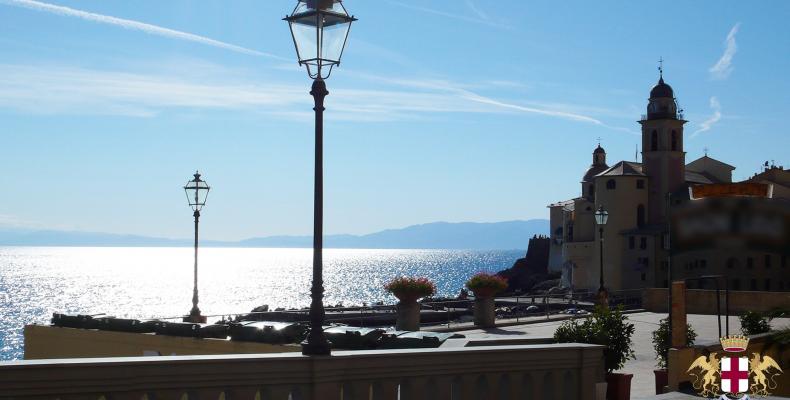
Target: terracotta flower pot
{"x":484,"y":292}
{"x":662,"y":379}
{"x":618,"y":386}
{"x":406,"y":297}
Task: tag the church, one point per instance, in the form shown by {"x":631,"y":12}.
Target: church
{"x":665,"y":213}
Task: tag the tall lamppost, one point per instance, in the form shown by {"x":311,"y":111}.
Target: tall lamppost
{"x":197,"y":192}
{"x":320,"y":31}
{"x":601,"y":216}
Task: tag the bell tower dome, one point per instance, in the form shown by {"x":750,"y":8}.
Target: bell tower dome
{"x":598,"y":166}
{"x":663,"y":158}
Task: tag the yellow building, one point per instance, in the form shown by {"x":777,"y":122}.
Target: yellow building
{"x":644,"y":200}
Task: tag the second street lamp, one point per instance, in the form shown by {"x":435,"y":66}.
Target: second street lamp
{"x":601,"y":217}
{"x":320,"y":30}
{"x":197,"y":193}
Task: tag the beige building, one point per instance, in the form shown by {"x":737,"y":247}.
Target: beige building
{"x":644,"y":201}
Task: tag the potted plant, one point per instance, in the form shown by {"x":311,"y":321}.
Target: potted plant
{"x":408,"y":290}
{"x":610,"y":328}
{"x":661,"y":346}
{"x":484,"y":286}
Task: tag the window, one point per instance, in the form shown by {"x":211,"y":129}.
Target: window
{"x":753,"y":284}
{"x":703,"y":263}
{"x":643,"y":276}
{"x":781,"y":285}
{"x":674,"y":141}
{"x":784,"y":261}
{"x":749,"y":262}
{"x":591,"y":190}
{"x":664,"y":265}
{"x":643,"y":243}
{"x":640,"y":183}
{"x":631,"y":242}
{"x":736,"y":284}
{"x":665,"y":283}
{"x":611,"y":184}
{"x":654,"y":141}
{"x":640,"y":215}
{"x":767,"y":261}
{"x":767,"y":284}
{"x":732,"y":262}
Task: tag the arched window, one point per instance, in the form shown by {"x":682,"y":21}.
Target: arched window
{"x":640,"y":215}
{"x":654,"y":141}
{"x":591,"y":190}
{"x":674,"y":141}
{"x":611,"y":184}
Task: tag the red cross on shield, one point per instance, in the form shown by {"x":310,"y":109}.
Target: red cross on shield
{"x":734,"y":374}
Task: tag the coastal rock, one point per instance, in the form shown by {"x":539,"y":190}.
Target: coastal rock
{"x":532,"y":269}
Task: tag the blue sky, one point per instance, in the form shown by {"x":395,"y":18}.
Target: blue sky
{"x":453,"y":110}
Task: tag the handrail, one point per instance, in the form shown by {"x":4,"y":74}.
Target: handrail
{"x":547,"y":371}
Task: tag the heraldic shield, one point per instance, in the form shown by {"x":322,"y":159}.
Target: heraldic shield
{"x":734,"y":375}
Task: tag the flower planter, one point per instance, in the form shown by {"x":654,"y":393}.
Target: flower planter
{"x":408,"y":315}
{"x":484,"y":312}
{"x":484,"y":292}
{"x":662,"y":379}
{"x":406,"y":297}
{"x":618,"y":386}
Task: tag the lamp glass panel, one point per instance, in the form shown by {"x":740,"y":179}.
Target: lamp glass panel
{"x":197,"y":193}
{"x":306,"y":39}
{"x":333,"y":40}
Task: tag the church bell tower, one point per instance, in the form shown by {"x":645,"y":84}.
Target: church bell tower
{"x":663,"y":158}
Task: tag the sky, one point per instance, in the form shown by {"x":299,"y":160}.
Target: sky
{"x":442,"y":110}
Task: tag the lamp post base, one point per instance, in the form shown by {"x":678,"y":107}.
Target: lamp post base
{"x":195,"y":317}
{"x":315,"y":349}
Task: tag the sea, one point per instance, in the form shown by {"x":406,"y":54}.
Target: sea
{"x":144,"y":283}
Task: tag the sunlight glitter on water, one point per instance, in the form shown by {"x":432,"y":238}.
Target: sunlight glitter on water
{"x":157,"y":282}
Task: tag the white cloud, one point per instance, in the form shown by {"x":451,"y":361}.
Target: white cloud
{"x":132,"y":25}
{"x":479,"y":18}
{"x":472,"y":6}
{"x":58,"y":90}
{"x":723,"y":67}
{"x":712,"y":120}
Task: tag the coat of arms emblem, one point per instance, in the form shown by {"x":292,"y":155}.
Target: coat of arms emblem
{"x":729,"y":376}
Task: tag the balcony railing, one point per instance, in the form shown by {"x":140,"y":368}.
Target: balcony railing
{"x":559,"y":371}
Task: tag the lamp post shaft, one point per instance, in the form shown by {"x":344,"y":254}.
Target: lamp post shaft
{"x":195,"y":310}
{"x":603,"y":296}
{"x":316,"y":343}
{"x":600,"y":232}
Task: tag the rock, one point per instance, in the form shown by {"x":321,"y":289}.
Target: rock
{"x":532,"y":269}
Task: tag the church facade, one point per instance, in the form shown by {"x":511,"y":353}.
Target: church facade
{"x":647,"y":201}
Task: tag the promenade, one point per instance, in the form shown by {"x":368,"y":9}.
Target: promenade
{"x":643,"y":384}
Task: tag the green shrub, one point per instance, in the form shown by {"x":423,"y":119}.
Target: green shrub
{"x":661,"y":341}
{"x":606,"y":327}
{"x":753,"y":323}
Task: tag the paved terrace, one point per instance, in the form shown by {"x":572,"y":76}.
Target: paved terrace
{"x":643,"y":383}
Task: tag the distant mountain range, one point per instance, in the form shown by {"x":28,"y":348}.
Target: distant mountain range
{"x":436,"y":235}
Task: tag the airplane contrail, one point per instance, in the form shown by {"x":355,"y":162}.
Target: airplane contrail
{"x":133,"y":25}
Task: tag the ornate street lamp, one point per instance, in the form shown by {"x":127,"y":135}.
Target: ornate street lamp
{"x":320,"y":31}
{"x":601,"y":217}
{"x":197,"y":192}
